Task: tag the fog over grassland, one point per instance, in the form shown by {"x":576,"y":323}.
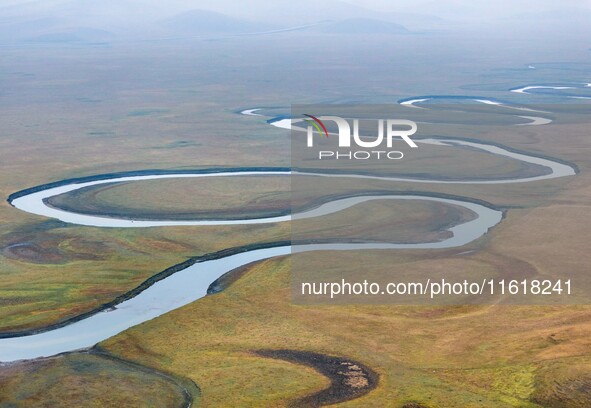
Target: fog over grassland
{"x":106,"y":21}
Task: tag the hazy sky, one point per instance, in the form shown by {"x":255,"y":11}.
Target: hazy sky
{"x":435,"y":7}
{"x":457,"y":6}
{"x":288,"y":12}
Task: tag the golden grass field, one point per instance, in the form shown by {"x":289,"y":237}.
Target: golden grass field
{"x":480,"y":356}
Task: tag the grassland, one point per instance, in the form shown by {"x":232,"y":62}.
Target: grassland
{"x":221,"y":198}
{"x":94,"y":379}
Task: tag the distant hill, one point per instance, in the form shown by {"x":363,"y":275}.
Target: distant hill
{"x":362,"y":26}
{"x":204,"y":22}
{"x":73,"y":35}
{"x":99,"y":21}
{"x":289,"y":13}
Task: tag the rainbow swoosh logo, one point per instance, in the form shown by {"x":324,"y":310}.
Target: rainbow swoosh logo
{"x":317,"y":123}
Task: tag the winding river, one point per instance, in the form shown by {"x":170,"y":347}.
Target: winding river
{"x":545,"y":89}
{"x":191,"y":283}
